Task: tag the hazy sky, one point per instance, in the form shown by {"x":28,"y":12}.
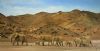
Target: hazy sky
{"x":17,"y":7}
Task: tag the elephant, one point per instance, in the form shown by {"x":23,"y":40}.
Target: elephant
{"x":46,"y":39}
{"x":83,"y":42}
{"x":36,"y":39}
{"x":86,"y":43}
{"x":70,"y":43}
{"x":58,"y":40}
{"x":17,"y":38}
{"x":42,"y":39}
{"x":77,"y":42}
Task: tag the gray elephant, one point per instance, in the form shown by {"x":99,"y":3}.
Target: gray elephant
{"x":58,"y":41}
{"x":83,"y":42}
{"x":17,"y":38}
{"x":86,"y":43}
{"x":47,"y":39}
{"x":77,"y":42}
{"x":70,"y":43}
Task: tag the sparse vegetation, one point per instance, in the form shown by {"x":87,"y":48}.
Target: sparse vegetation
{"x":65,"y":24}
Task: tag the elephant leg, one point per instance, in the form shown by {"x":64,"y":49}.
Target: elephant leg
{"x":43,"y":43}
{"x":81,"y":45}
{"x":26,"y":43}
{"x":13,"y":43}
{"x":57,"y":43}
{"x":91,"y":44}
{"x":38,"y":43}
{"x":69,"y":45}
{"x":17,"y":43}
{"x":35,"y":43}
{"x":22,"y":42}
{"x":49,"y":43}
{"x":62,"y":44}
{"x":75,"y":44}
{"x":52,"y":43}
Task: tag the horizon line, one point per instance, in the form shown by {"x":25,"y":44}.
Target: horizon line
{"x":50,"y":12}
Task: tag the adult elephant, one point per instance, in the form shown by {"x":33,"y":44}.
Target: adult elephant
{"x":77,"y":41}
{"x":70,"y":43}
{"x":17,"y":38}
{"x":46,"y":39}
{"x":57,"y":40}
{"x":86,"y":41}
{"x":83,"y":41}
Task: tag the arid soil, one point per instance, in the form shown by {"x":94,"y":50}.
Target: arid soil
{"x":6,"y":46}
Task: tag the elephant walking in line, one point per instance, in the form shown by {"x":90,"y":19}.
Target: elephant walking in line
{"x":86,"y":41}
{"x":46,"y":39}
{"x":17,"y":38}
{"x":43,"y":40}
{"x":58,"y":41}
{"x":83,"y":42}
{"x":77,"y":42}
{"x":70,"y":43}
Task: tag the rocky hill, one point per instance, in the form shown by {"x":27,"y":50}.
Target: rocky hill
{"x":75,"y":21}
{"x":4,"y":26}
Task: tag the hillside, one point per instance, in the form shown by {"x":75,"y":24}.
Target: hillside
{"x":75,"y":21}
{"x":4,"y":26}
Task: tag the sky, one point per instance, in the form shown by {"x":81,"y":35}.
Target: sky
{"x":19,"y":7}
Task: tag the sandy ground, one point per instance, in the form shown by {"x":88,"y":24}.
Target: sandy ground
{"x":6,"y":46}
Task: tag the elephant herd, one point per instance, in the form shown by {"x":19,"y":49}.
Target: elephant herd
{"x":49,"y":40}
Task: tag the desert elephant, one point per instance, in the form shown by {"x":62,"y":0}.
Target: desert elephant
{"x":17,"y":38}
